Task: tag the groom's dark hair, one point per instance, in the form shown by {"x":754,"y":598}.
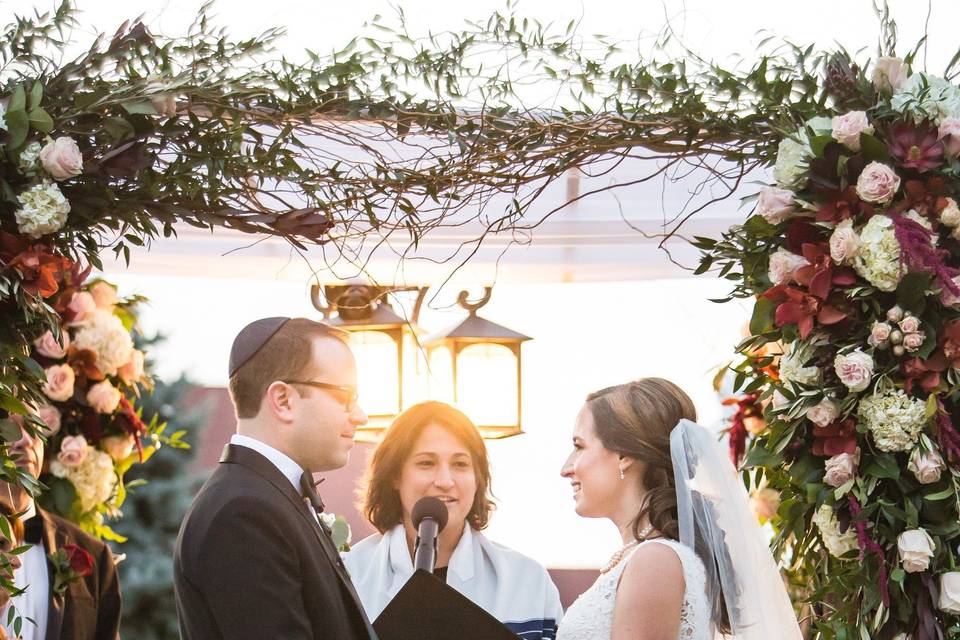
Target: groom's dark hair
{"x":286,"y":355}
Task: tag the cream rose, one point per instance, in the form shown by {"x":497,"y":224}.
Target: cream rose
{"x":82,"y":305}
{"x":73,"y":451}
{"x":50,"y":416}
{"x":783,"y":264}
{"x":59,"y":384}
{"x":916,"y":549}
{"x":879,"y":333}
{"x":950,"y":134}
{"x":854,"y":369}
{"x":949,"y":601}
{"x":103,"y":397}
{"x":913,"y":341}
{"x":846,"y":129}
{"x":888,"y":73}
{"x":118,"y":447}
{"x":823,"y":413}
{"x":844,"y":243}
{"x":61,"y":158}
{"x":132,"y":371}
{"x":47,"y":346}
{"x":877,"y":183}
{"x":926,"y":466}
{"x":841,"y":468}
{"x":104,"y":295}
{"x":775,"y":204}
{"x":910,"y":324}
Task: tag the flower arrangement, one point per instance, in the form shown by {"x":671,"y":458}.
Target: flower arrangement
{"x":861,"y":282}
{"x":94,"y":375}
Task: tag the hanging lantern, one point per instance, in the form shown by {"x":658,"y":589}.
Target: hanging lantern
{"x":382,"y":342}
{"x":476,"y":365}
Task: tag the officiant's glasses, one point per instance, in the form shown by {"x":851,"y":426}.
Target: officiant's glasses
{"x":350,"y":394}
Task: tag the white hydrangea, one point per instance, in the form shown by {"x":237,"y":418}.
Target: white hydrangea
{"x":792,"y":369}
{"x":43,"y":209}
{"x":836,"y":543}
{"x":878,"y":260}
{"x":790,"y":169}
{"x":94,"y":478}
{"x":894,"y":418}
{"x":3,"y":117}
{"x":924,"y":97}
{"x":29,"y":160}
{"x":104,"y":334}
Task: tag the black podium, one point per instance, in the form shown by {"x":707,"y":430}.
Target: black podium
{"x":426,"y":608}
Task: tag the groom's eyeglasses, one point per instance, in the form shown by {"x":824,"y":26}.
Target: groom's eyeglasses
{"x":350,"y":394}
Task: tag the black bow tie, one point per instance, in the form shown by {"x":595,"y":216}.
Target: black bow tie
{"x":33,"y":530}
{"x":309,"y":491}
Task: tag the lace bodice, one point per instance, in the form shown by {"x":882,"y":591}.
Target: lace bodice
{"x":591,"y":616}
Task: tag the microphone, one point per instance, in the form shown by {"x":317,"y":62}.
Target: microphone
{"x":429,"y":516}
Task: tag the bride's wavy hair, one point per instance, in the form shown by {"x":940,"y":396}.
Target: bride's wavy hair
{"x":635,"y":420}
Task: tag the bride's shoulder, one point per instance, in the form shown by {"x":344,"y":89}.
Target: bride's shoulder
{"x":658,"y":558}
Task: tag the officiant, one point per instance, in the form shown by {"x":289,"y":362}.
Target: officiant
{"x":433,"y":449}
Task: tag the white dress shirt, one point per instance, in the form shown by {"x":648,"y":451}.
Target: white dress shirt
{"x":35,"y":601}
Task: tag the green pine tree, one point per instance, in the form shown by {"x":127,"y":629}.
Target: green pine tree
{"x":151,"y":518}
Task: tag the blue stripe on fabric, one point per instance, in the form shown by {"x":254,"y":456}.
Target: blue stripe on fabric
{"x":544,"y":629}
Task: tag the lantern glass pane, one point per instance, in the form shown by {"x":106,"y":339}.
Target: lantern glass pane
{"x":378,"y":380}
{"x":487,"y":384}
{"x":416,"y":385}
{"x":441,"y":375}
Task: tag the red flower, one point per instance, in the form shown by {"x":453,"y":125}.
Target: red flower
{"x":800,"y":308}
{"x":950,"y":342}
{"x":81,"y":562}
{"x":926,"y":372}
{"x":915,"y":146}
{"x":820,"y":275}
{"x":836,"y":438}
{"x":847,"y":205}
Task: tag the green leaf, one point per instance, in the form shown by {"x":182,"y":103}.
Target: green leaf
{"x":41,"y":120}
{"x":143,"y":107}
{"x":758,"y":456}
{"x":18,"y":100}
{"x":36,"y":95}
{"x":819,"y":143}
{"x":118,"y":128}
{"x":883,"y":466}
{"x":872,"y":149}
{"x":9,"y":430}
{"x":940,"y":495}
{"x":911,"y":292}
{"x":18,"y":126}
{"x":763,"y":313}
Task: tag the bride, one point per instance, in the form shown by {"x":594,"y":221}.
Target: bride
{"x":694,"y":564}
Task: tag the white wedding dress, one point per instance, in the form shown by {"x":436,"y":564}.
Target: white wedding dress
{"x":591,"y":616}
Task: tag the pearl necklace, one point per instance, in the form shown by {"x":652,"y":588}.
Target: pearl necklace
{"x":618,"y":556}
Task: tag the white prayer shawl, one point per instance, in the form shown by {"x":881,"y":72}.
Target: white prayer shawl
{"x":514,"y":589}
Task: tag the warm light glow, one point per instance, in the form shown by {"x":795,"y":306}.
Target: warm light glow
{"x":377,"y":377}
{"x":416,"y":384}
{"x":441,"y":375}
{"x":487,"y":384}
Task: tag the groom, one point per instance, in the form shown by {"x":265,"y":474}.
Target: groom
{"x":252,"y":559}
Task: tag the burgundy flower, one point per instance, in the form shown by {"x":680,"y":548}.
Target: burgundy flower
{"x":845,"y":205}
{"x":915,"y":146}
{"x":833,"y":439}
{"x":925,"y":372}
{"x":81,"y":562}
{"x":950,"y":342}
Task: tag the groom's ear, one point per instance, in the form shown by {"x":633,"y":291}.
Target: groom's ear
{"x":278,"y":400}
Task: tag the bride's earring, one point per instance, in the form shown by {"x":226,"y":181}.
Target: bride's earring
{"x":621,"y":474}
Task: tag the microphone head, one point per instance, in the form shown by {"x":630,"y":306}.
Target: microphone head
{"x":429,"y":507}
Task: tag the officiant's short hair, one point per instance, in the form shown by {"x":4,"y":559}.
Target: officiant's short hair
{"x":379,"y":496}
{"x":286,"y":354}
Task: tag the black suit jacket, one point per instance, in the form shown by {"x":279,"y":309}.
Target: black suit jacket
{"x":252,"y":562}
{"x":89,"y":609}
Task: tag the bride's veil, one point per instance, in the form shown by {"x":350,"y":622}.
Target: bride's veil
{"x":717,"y":522}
